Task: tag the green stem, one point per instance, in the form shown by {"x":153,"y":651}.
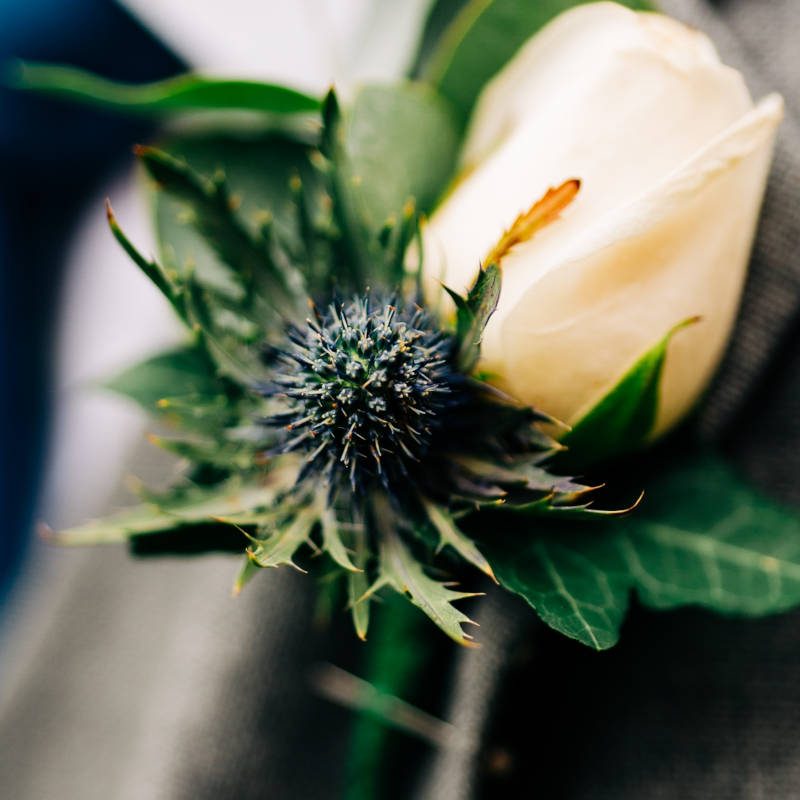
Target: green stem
{"x":399,"y":653}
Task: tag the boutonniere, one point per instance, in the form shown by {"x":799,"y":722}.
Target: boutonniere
{"x":426,"y":340}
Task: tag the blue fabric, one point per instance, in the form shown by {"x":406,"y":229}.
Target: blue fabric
{"x":52,"y":156}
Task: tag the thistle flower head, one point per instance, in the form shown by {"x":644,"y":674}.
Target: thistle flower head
{"x":364,"y":385}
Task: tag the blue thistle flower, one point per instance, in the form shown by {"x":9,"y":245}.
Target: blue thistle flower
{"x":364,"y":385}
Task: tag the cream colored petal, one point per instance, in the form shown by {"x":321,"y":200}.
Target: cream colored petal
{"x":572,"y":48}
{"x":678,"y":251}
{"x":614,"y":98}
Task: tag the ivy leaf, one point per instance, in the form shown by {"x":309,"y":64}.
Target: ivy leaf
{"x":709,"y":539}
{"x":702,"y":538}
{"x":566,"y":581}
{"x":183,"y":93}
{"x":400,"y":570}
{"x":482,"y":39}
{"x":624,"y":417}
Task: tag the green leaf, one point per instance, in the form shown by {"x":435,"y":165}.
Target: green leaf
{"x":706,"y":538}
{"x":521,"y":487}
{"x":624,"y":417}
{"x":400,"y":142}
{"x":234,"y":358}
{"x":204,"y":413}
{"x":332,"y":542}
{"x":393,"y":151}
{"x":184,"y":371}
{"x":280,"y":547}
{"x":236,"y":501}
{"x":451,"y":536}
{"x":357,"y":588}
{"x":213,"y":306}
{"x":151,"y":268}
{"x":259,"y":176}
{"x":247,"y":571}
{"x":358,"y":585}
{"x":564,"y":578}
{"x":184,"y":93}
{"x":182,"y":389}
{"x":473,"y":313}
{"x":400,"y":570}
{"x":482,"y":39}
{"x":216,"y":450}
{"x":211,"y":210}
{"x":701,"y":538}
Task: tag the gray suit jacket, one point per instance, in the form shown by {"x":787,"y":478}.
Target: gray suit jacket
{"x":128,"y":679}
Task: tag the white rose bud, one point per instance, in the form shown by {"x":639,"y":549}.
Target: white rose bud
{"x":673,"y":158}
